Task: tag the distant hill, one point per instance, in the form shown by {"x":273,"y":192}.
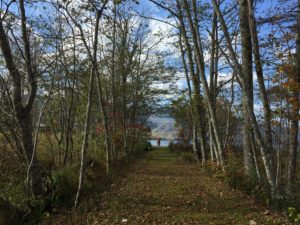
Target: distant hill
{"x":162,"y":127}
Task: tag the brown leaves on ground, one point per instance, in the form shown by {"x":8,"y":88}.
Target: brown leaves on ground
{"x":162,"y":190}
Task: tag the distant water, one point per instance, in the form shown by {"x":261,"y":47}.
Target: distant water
{"x":163,"y":142}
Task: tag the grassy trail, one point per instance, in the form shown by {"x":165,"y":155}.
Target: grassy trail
{"x":161,"y":189}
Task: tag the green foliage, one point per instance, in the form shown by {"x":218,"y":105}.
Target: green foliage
{"x":180,"y":111}
{"x":148,"y":146}
{"x":234,"y":174}
{"x":293,"y":215}
{"x":141,"y":146}
{"x":65,"y":181}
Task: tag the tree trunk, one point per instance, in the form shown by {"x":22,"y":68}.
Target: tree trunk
{"x":292,"y":170}
{"x":248,"y":77}
{"x":249,"y":106}
{"x":201,"y":67}
{"x":260,"y":76}
{"x":85,"y":137}
{"x":23,"y":113}
{"x":195,"y":144}
{"x":254,"y":154}
{"x":113,"y":88}
{"x":191,"y":101}
{"x":34,"y":169}
{"x":211,"y":144}
{"x":88,"y":107}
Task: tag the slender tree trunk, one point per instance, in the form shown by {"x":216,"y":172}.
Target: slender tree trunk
{"x":113,"y":89}
{"x":105,"y":123}
{"x":88,"y":109}
{"x":211,"y":145}
{"x":195,"y":144}
{"x":212,"y":75}
{"x":124,"y":90}
{"x":34,"y":169}
{"x":229,"y":113}
{"x":248,"y":77}
{"x":85,"y":136}
{"x":260,"y":76}
{"x":196,"y":100}
{"x":200,"y":65}
{"x":191,"y":101}
{"x":254,"y":154}
{"x":201,"y":121}
{"x":292,"y":170}
{"x":278,"y":168}
{"x":252,"y":118}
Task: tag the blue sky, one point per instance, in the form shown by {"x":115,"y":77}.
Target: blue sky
{"x":263,"y":9}
{"x":147,"y":8}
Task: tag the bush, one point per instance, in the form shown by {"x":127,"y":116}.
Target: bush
{"x":213,"y":169}
{"x":65,"y":185}
{"x":234,"y":176}
{"x":188,"y":157}
{"x":234,"y":172}
{"x":148,"y":146}
{"x":180,"y":147}
{"x":66,"y":181}
{"x":141,"y":146}
{"x":294,"y":216}
{"x":9,"y":214}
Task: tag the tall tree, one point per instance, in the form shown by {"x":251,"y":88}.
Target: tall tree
{"x":248,"y":104}
{"x":23,"y":111}
{"x":248,"y":76}
{"x":294,"y":135}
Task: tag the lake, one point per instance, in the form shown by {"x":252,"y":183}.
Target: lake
{"x":163,"y":142}
{"x":166,"y":142}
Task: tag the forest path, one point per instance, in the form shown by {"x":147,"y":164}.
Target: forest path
{"x":161,"y":189}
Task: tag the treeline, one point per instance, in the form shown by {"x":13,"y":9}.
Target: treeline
{"x":241,"y":63}
{"x":76,"y":87}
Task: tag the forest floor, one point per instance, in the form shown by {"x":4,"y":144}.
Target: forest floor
{"x":162,"y":189}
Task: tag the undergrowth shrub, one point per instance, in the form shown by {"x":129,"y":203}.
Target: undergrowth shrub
{"x":213,"y":169}
{"x":65,"y":184}
{"x":294,"y":215}
{"x":66,"y":181}
{"x":184,"y":147}
{"x":235,"y":177}
{"x":9,"y":214}
{"x":141,"y":146}
{"x":148,"y":146}
{"x":188,"y":157}
{"x":184,"y":150}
